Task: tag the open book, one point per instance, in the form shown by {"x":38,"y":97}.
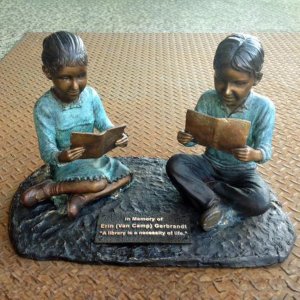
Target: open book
{"x":97,"y":144}
{"x":221,"y":133}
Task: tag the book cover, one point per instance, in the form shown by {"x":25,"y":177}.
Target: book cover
{"x":97,"y":144}
{"x":221,"y":133}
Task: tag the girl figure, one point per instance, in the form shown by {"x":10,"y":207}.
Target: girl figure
{"x":204,"y":179}
{"x":71,"y":105}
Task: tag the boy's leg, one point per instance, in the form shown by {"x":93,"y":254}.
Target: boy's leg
{"x":248,"y":193}
{"x":188,"y":173}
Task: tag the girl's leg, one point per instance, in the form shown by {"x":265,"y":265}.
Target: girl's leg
{"x":48,"y":188}
{"x":83,"y":192}
{"x":77,"y":201}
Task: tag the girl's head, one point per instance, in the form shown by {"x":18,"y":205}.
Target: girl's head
{"x":63,"y":49}
{"x":238,"y":62}
{"x":65,"y":63}
{"x":241,"y":52}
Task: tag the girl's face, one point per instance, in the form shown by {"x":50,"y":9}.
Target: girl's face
{"x":233,"y":86}
{"x":69,"y":82}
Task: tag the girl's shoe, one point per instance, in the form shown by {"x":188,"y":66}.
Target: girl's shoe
{"x":37,"y":193}
{"x":75,"y":204}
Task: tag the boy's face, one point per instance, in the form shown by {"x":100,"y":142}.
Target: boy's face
{"x":233,"y":86}
{"x":68,"y":82}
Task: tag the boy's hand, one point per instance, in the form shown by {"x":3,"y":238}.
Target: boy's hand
{"x":122,"y":142}
{"x":70,"y":155}
{"x":246,"y":154}
{"x":184,"y":137}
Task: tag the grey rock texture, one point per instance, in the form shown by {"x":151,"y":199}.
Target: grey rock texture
{"x":45,"y":233}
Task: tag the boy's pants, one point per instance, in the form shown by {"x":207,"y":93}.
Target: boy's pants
{"x":202,"y":185}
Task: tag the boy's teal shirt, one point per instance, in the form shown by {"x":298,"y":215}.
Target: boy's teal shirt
{"x":257,"y":109}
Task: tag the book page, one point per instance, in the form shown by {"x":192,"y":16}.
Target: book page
{"x":231,"y":133}
{"x":97,"y":144}
{"x":221,"y":133}
{"x":201,"y":127}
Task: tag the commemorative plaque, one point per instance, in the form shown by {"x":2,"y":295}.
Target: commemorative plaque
{"x":143,"y":228}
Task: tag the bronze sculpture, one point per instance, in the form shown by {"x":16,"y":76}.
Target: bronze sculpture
{"x":71,"y":105}
{"x":204,"y":179}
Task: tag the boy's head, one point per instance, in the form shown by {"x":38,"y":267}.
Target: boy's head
{"x":63,"y":49}
{"x":241,"y":52}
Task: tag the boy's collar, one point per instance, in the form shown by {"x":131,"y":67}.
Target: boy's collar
{"x":243,"y":106}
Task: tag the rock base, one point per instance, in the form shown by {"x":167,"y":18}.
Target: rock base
{"x":44,"y":232}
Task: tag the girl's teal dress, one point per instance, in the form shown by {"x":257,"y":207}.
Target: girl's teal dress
{"x":54,"y":122}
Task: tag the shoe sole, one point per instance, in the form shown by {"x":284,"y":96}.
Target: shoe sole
{"x":210,"y":221}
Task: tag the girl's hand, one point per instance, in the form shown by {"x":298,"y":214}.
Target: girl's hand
{"x":122,"y":142}
{"x":246,"y":154}
{"x":184,"y":137}
{"x":70,"y":155}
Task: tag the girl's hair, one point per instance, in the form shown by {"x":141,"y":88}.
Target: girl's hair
{"x":241,"y":52}
{"x":62,"y":49}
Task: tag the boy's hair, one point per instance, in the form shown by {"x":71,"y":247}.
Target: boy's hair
{"x":61,"y":49}
{"x":241,"y":52}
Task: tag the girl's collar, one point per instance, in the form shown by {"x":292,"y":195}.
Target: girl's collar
{"x":65,"y":106}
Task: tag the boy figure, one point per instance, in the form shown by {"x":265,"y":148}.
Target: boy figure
{"x":204,"y":179}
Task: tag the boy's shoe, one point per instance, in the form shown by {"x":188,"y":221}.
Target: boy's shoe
{"x":211,"y":217}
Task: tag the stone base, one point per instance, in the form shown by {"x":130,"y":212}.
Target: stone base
{"x":45,"y":233}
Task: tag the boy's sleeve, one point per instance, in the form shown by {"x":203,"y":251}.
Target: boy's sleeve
{"x":263,"y":132}
{"x":202,"y":105}
{"x":102,"y":122}
{"x":45,"y":130}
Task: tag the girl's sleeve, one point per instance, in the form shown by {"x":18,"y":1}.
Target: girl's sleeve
{"x":263,"y":132}
{"x":45,"y":129}
{"x":102,"y":122}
